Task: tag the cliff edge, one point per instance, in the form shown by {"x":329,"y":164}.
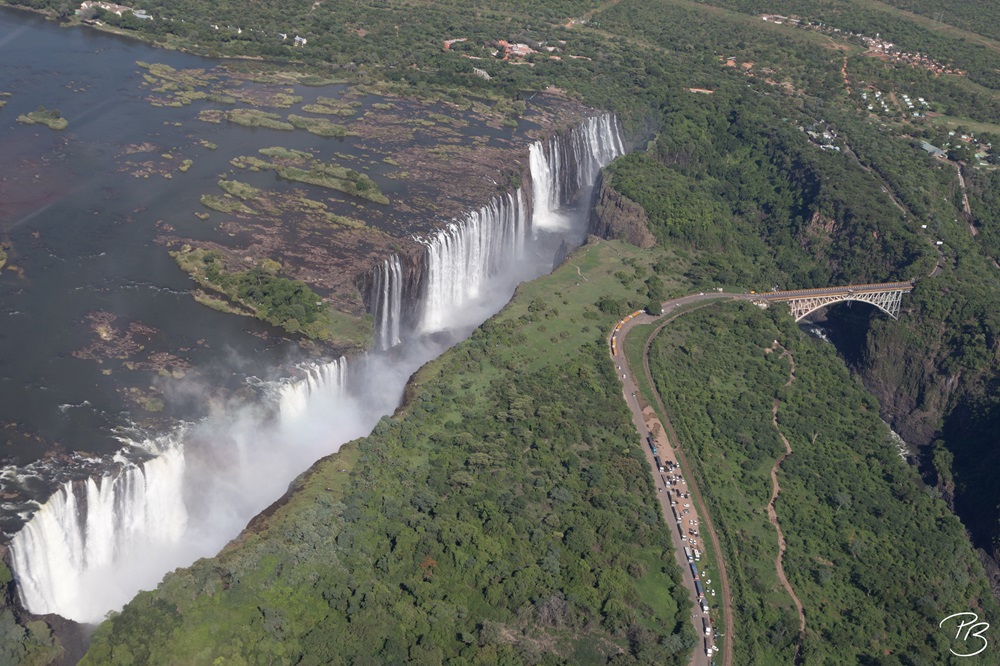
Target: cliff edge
{"x":615,"y":216}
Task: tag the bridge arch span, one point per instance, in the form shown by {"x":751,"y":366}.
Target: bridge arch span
{"x":886,"y":301}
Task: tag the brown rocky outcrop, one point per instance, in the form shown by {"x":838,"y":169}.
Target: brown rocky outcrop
{"x":615,"y":216}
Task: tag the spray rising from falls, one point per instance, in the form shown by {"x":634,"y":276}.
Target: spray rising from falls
{"x":83,"y":543}
{"x":95,"y":543}
{"x":566,"y":166}
{"x":323,"y":383}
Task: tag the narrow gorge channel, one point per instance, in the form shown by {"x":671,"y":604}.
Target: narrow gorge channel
{"x":95,"y":543}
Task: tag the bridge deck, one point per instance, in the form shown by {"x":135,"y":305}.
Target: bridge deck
{"x":837,"y":291}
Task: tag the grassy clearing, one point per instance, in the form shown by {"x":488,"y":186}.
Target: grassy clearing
{"x":953,"y":122}
{"x":568,"y":296}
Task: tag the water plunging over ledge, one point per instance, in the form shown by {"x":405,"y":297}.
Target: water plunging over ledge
{"x":95,"y":543}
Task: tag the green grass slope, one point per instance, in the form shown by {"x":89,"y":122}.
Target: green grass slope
{"x":508,"y":516}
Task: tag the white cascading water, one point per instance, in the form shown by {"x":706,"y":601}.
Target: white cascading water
{"x":564,"y":166}
{"x":466,"y":253}
{"x":387,"y":302}
{"x":89,"y":548}
{"x":327,"y":381}
{"x":461,"y":257}
{"x":91,"y":539}
{"x":95,"y":543}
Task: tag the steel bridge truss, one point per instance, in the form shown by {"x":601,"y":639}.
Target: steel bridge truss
{"x":886,"y":301}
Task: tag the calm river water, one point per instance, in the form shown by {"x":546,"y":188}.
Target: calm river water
{"x":90,"y":303}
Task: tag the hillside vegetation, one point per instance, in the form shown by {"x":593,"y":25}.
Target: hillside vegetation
{"x":507,"y":515}
{"x":495,"y":521}
{"x":875,"y":558}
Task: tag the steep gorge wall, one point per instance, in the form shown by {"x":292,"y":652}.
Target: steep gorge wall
{"x":936,"y":374}
{"x":414,"y":290}
{"x":615,"y":216}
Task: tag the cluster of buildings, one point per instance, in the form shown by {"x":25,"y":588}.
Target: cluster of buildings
{"x":514,"y":52}
{"x":110,"y":7}
{"x":914,"y":107}
{"x":910,"y":105}
{"x":962,"y":146}
{"x":889,"y":51}
{"x":822,"y":136}
{"x":876,"y":45}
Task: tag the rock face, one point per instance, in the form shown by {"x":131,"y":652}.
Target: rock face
{"x":947,"y":408}
{"x":615,"y":216}
{"x":429,"y":278}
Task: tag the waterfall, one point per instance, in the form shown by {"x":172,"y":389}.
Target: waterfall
{"x":323,"y":382}
{"x":95,"y":543}
{"x":567,"y":165}
{"x":91,"y":531}
{"x":386,"y":302}
{"x":462,"y":256}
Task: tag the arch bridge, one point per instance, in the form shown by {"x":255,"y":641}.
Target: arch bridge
{"x":886,"y":296}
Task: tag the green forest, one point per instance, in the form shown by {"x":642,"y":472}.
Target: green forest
{"x":493,"y":521}
{"x":507,"y":516}
{"x":876,"y":558}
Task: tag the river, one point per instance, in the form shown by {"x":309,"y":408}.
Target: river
{"x":94,"y":311}
{"x":106,"y":361}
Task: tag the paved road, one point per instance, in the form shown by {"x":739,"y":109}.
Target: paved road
{"x":670,"y":486}
{"x":648,"y":425}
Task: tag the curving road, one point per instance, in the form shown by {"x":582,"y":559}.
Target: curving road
{"x":669,"y":484}
{"x":648,"y":425}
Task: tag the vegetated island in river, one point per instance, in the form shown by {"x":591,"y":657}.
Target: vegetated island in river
{"x":260,"y":292}
{"x":329,"y":222}
{"x":302,"y":167}
{"x":49,"y":117}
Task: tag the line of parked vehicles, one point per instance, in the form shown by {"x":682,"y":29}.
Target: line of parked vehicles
{"x":680,"y":506}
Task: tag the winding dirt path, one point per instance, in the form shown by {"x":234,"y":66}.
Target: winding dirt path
{"x":772,"y":515}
